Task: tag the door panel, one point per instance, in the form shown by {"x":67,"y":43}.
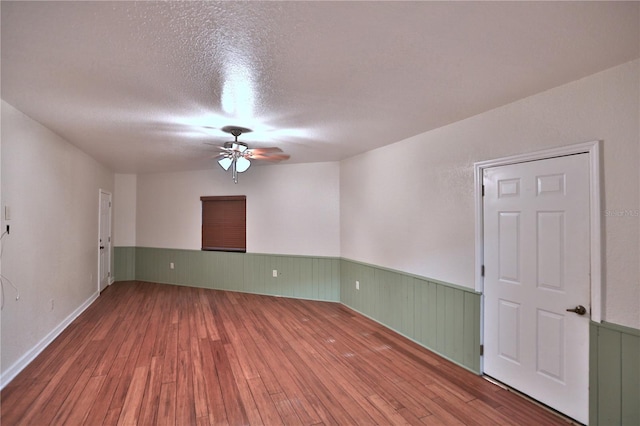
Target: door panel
{"x":536,"y":256}
{"x":550,"y":345}
{"x":509,"y":330}
{"x":509,"y":230}
{"x":550,"y":236}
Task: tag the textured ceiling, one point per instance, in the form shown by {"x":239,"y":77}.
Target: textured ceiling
{"x":141,"y":86}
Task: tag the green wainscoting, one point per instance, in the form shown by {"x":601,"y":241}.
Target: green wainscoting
{"x":440,"y":316}
{"x":124,"y":263}
{"x":304,"y":277}
{"x":614,"y":375}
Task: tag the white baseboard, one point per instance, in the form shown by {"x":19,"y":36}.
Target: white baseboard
{"x":31,"y":354}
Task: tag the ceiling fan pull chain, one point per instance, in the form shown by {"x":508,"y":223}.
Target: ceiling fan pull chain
{"x":234,"y":171}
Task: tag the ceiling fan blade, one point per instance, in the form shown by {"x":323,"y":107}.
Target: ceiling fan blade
{"x":267,"y":154}
{"x":265,"y":150}
{"x":272,"y":157}
{"x":219,"y":148}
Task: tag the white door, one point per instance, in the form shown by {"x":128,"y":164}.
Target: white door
{"x":104,"y":243}
{"x":536,"y":257}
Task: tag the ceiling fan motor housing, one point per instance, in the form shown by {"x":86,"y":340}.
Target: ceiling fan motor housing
{"x":236,"y":130}
{"x":236,"y":146}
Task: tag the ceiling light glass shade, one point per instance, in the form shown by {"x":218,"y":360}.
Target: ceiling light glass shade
{"x":242,"y":164}
{"x":225,"y":162}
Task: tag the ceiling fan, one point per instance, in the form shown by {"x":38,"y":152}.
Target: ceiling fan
{"x":238,"y":156}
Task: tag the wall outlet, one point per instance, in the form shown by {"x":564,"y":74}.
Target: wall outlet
{"x":51,"y":305}
{"x":171,"y":265}
{"x":357,"y":285}
{"x":275,"y":273}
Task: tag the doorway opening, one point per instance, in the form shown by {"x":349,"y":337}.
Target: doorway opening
{"x":104,"y":240}
{"x":538,"y":238}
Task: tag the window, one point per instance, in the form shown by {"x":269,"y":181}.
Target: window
{"x":224,"y":223}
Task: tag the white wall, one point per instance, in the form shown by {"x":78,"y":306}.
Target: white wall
{"x":410,"y":206}
{"x":124,"y":210}
{"x":291,"y":208}
{"x":52,"y":252}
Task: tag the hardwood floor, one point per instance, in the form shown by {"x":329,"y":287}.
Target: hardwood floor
{"x":160,"y":354}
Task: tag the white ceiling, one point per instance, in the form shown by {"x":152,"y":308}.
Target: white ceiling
{"x":142,"y":86}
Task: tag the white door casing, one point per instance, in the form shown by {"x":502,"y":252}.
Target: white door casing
{"x":536,"y":247}
{"x":104,"y":240}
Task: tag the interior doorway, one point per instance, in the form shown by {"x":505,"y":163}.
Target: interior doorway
{"x":104,"y":241}
{"x":538,"y":243}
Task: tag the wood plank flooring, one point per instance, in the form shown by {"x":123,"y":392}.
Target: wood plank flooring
{"x":159,"y":354}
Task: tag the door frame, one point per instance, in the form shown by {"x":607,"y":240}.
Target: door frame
{"x":110,"y":220}
{"x":593,"y":150}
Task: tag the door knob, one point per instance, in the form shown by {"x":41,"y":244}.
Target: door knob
{"x":101,"y":247}
{"x":580,"y":310}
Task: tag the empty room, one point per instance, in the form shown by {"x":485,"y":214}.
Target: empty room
{"x":318,"y":213}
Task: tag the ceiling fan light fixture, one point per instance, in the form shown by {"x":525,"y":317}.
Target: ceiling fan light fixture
{"x":242,"y":164}
{"x":225,"y":163}
{"x":237,"y":156}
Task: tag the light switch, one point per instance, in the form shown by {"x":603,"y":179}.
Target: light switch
{"x":275,"y":273}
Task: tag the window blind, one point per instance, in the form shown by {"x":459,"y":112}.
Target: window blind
{"x":224,"y":223}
